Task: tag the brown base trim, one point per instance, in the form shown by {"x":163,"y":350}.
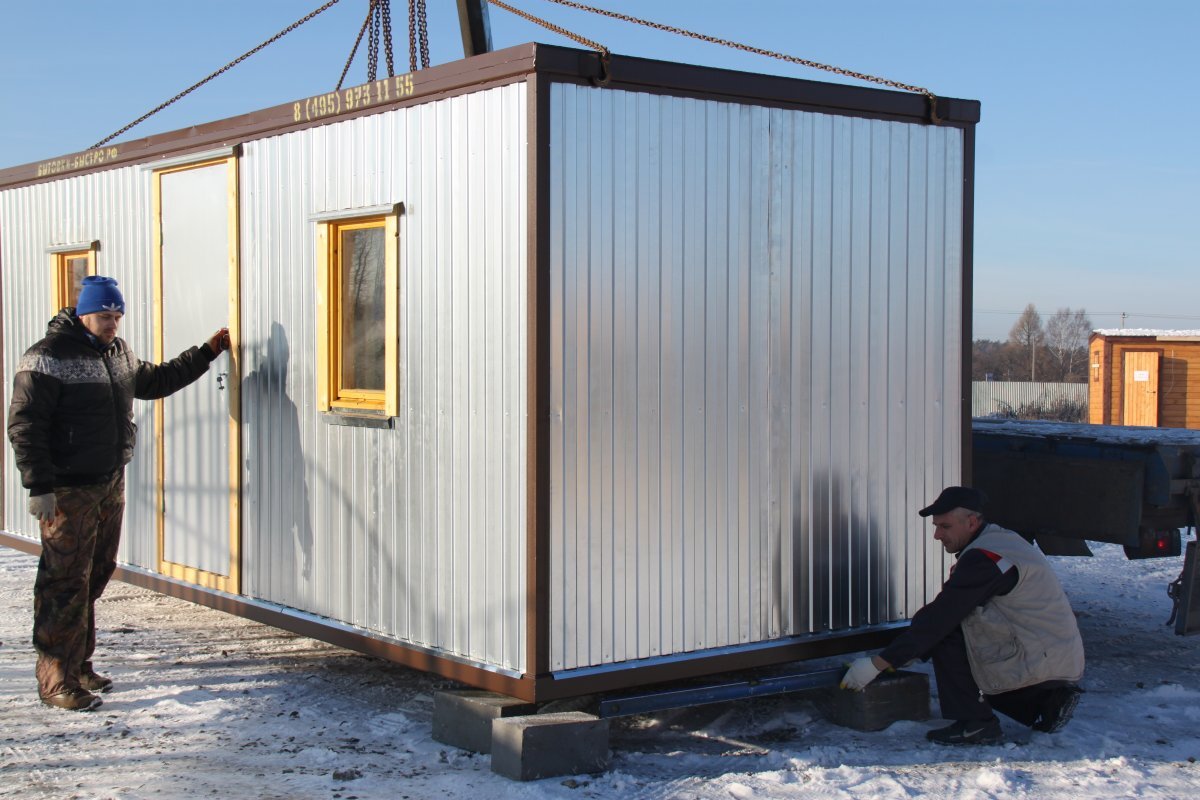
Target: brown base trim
{"x":772,"y":653}
{"x":529,"y":689}
{"x":299,"y":623}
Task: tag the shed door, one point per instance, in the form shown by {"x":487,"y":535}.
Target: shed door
{"x":196,"y":273}
{"x":1140,"y":406}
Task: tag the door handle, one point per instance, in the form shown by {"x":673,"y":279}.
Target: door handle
{"x":221,"y":376}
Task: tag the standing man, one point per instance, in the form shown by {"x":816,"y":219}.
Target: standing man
{"x":71,"y":427}
{"x":1001,"y":632}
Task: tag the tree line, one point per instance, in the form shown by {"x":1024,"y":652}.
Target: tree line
{"x":1053,"y":351}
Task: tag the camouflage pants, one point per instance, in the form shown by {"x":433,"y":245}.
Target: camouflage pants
{"x":79,"y":555}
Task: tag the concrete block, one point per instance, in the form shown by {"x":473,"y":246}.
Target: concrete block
{"x":547,"y":745}
{"x":463,"y":719}
{"x":891,"y":697}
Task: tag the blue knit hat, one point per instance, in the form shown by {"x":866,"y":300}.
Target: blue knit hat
{"x":99,"y":294}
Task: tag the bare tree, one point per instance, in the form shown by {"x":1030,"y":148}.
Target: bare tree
{"x":1066,"y":339}
{"x":1027,"y":332}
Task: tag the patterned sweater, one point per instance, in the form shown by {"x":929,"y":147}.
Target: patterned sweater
{"x":70,"y":420}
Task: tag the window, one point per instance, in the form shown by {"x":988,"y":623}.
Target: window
{"x":68,"y":267}
{"x":358,"y":315}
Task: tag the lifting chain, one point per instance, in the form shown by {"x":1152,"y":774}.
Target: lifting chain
{"x":418,"y":35}
{"x":373,"y":43}
{"x":387,"y":36}
{"x":756,"y":50}
{"x":380,"y":16}
{"x":550,"y":26}
{"x":222,"y":70}
{"x":354,"y":50}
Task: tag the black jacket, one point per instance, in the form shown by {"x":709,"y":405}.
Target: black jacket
{"x":71,"y":416}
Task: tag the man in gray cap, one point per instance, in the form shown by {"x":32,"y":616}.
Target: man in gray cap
{"x":1001,"y":632}
{"x":71,"y":427}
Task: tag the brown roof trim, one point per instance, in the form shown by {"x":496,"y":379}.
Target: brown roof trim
{"x":641,"y":74}
{"x":457,"y":77}
{"x":498,"y":68}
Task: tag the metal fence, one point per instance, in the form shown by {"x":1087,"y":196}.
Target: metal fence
{"x":1008,"y":398}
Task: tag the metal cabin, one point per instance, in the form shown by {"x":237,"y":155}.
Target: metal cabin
{"x":663,"y":361}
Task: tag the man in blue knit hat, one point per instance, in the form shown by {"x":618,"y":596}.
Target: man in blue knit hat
{"x":71,"y":427}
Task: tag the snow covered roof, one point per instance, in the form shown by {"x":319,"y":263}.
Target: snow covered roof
{"x":1147,"y":332}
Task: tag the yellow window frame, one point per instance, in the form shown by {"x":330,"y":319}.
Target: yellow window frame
{"x":61,"y":281}
{"x":331,"y":395}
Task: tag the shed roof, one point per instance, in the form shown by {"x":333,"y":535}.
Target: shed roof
{"x":1148,"y":333}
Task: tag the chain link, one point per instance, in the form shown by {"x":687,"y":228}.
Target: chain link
{"x":423,"y":34}
{"x":550,"y":26}
{"x":354,"y":50}
{"x":412,"y":35}
{"x":749,"y":49}
{"x":373,"y":43}
{"x":387,"y":36}
{"x":221,"y":71}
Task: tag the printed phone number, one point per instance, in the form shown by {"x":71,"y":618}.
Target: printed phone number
{"x":354,"y":98}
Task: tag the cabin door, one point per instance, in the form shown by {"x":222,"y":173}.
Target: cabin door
{"x":196,"y":279}
{"x":1140,"y":406}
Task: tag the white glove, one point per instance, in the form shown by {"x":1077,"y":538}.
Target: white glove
{"x":43,"y":506}
{"x":861,"y":672}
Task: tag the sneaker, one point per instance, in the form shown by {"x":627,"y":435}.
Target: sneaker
{"x":73,"y":700}
{"x":95,"y":683}
{"x":968,"y":731}
{"x":1058,"y":708}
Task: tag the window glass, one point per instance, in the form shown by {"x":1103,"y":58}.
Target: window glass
{"x":75,"y":268}
{"x":362,"y":292}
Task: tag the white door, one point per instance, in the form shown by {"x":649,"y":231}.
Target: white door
{"x":196,"y":283}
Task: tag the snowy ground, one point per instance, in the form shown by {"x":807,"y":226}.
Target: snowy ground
{"x":212,"y":705}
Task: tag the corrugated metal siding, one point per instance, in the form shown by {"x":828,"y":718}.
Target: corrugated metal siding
{"x":756,"y":381}
{"x":996,"y":397}
{"x":417,"y":532}
{"x":113,"y":207}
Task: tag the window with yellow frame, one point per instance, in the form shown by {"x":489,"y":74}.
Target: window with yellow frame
{"x":68,"y":268}
{"x":358,"y":315}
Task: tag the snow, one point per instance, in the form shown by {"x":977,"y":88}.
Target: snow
{"x":1184,"y":334}
{"x":207,"y":704}
{"x":1044,"y":430}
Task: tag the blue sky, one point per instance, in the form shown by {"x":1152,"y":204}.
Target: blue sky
{"x":1088,"y":152}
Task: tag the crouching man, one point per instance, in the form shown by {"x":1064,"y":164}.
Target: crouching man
{"x":1001,"y":632}
{"x":71,"y":427}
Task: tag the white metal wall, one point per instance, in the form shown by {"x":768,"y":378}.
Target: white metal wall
{"x":417,"y":532}
{"x":113,"y":207}
{"x":756,"y":344}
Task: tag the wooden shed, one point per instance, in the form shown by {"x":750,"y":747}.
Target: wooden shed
{"x":1144,"y":377}
{"x":658,"y":361}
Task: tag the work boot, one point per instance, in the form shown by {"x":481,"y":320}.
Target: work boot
{"x":95,"y":683}
{"x":1058,"y":708}
{"x":968,"y":731}
{"x":73,"y":700}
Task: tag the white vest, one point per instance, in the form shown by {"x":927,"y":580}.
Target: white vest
{"x":1028,"y":635}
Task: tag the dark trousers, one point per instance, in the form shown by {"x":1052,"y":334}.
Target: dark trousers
{"x":79,"y":556}
{"x":960,"y":697}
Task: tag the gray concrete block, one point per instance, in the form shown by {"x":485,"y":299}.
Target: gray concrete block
{"x":891,"y":697}
{"x":463,"y":719}
{"x":548,"y":745}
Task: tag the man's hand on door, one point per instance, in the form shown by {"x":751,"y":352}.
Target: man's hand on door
{"x":219,"y":341}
